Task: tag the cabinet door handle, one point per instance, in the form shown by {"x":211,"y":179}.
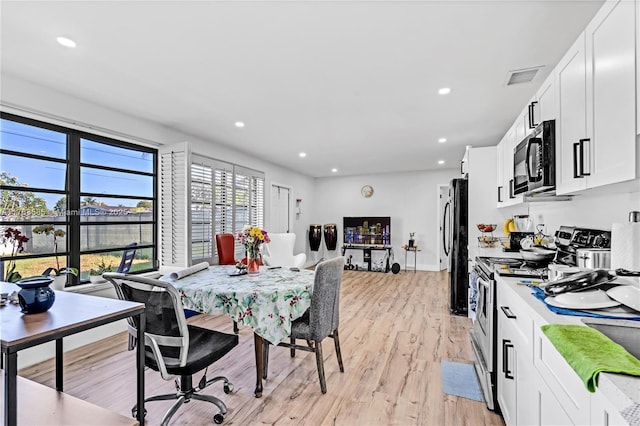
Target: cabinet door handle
{"x":583,"y":142}
{"x":506,"y":344}
{"x":500,"y":194}
{"x":508,"y":312}
{"x":511,"y":195}
{"x":532,"y":119}
{"x":576,"y":148}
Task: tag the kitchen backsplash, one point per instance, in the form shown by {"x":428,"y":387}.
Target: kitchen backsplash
{"x":597,"y":211}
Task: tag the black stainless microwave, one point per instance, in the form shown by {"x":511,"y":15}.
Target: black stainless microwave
{"x":534,"y":160}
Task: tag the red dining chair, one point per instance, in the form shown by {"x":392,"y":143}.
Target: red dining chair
{"x":226,"y":249}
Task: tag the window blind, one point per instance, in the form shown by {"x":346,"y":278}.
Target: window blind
{"x":225,"y":198}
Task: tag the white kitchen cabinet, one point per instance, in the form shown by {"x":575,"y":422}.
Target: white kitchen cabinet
{"x":543,"y":106}
{"x":572,"y":126}
{"x":544,"y":388}
{"x":559,"y":376}
{"x":517,"y":383}
{"x":610,"y":53}
{"x":500,"y":176}
{"x":506,"y":146}
{"x":638,"y":67}
{"x":603,"y":413}
{"x":596,"y":81}
{"x":546,"y":107}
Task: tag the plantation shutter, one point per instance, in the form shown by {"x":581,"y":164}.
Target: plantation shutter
{"x":202,"y":232}
{"x":224,"y":198}
{"x":175,"y":218}
{"x":201,"y":197}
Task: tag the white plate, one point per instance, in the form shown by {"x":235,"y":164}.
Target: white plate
{"x":627,"y":295}
{"x":589,"y":299}
{"x":620,"y":311}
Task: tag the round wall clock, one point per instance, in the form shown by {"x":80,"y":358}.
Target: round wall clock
{"x":367,"y":191}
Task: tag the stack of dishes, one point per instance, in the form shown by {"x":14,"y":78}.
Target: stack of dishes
{"x":619,"y":296}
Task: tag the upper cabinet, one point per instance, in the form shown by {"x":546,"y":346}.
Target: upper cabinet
{"x":505,"y":149}
{"x":596,"y":83}
{"x":546,"y":102}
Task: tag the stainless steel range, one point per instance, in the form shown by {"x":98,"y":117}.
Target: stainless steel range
{"x":484,"y":331}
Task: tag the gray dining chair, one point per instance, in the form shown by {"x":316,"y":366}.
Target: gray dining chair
{"x":320,"y":321}
{"x":173,"y":347}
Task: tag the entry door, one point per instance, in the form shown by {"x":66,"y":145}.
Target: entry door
{"x":443,"y":196}
{"x":280,"y":202}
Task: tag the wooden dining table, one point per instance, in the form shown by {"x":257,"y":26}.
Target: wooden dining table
{"x":70,"y":313}
{"x":268,"y":301}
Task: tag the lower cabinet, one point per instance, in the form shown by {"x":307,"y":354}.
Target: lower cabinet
{"x":603,"y":413}
{"x":517,"y":385}
{"x":535,"y":384}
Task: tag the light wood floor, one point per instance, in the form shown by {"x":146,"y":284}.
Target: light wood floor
{"x":394,"y":330}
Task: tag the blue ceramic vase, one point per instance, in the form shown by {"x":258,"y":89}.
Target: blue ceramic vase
{"x":35,"y":295}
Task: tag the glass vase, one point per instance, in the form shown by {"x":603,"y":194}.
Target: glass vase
{"x":253,"y":267}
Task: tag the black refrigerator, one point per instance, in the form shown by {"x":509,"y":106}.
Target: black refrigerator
{"x":456,"y":236}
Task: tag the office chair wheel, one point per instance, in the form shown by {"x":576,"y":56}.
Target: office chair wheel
{"x":218,"y":418}
{"x":228,"y":388}
{"x":134,"y":413}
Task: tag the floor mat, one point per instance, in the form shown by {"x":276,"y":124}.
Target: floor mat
{"x":460,"y":380}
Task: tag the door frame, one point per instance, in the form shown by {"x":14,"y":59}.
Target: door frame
{"x":289,"y":204}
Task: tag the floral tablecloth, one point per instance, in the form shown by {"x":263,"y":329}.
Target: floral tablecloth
{"x":268,"y":302}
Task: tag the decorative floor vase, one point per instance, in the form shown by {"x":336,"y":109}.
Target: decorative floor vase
{"x":253,"y":267}
{"x":331,"y":236}
{"x":315,"y":236}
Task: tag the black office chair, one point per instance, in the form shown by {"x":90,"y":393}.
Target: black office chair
{"x":127,"y":258}
{"x":321,"y":320}
{"x":173,"y":347}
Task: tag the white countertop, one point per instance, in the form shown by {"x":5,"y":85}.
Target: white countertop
{"x":621,"y":390}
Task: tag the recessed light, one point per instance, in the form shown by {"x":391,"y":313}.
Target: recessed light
{"x":302,"y":155}
{"x":442,"y":140}
{"x":66,"y":42}
{"x":239,"y":124}
{"x":444,"y":91}
{"x":440,"y":161}
{"x":334,"y":170}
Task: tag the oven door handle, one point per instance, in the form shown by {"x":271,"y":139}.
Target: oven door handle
{"x":508,"y":312}
{"x":483,"y":279}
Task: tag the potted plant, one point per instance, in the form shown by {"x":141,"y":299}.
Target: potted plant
{"x":95,"y":275}
{"x":60,"y":274}
{"x":14,"y":238}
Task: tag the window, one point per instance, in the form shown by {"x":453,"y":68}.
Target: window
{"x":224,"y":198}
{"x":80,"y":199}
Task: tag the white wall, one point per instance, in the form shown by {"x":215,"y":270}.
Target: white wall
{"x":409,"y":198}
{"x":30,"y":100}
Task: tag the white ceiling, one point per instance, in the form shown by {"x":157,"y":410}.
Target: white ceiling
{"x":351,"y":83}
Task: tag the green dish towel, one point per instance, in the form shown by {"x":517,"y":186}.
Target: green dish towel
{"x":589,"y":352}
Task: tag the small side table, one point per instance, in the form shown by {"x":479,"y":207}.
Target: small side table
{"x":413,"y":250}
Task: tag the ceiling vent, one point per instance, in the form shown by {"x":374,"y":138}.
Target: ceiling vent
{"x":522,"y":76}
